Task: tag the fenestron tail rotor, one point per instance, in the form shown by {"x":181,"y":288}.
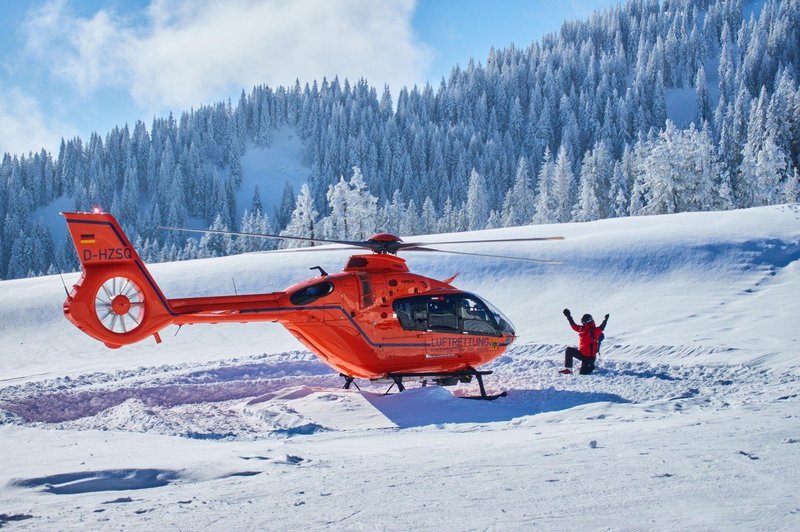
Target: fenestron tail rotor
{"x":119,"y":304}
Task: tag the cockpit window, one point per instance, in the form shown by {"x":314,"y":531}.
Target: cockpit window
{"x":442,"y":314}
{"x":502,"y":321}
{"x":475,"y":317}
{"x":311,"y":293}
{"x":459,"y":313}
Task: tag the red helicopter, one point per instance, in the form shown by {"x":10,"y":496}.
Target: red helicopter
{"x":373,"y":320}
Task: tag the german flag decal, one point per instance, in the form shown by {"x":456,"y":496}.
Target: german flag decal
{"x":87,"y":239}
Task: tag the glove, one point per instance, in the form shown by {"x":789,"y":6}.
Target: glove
{"x":606,"y":317}
{"x":566,"y":312}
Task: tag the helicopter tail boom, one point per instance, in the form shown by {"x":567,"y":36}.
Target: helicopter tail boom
{"x":118,"y":302}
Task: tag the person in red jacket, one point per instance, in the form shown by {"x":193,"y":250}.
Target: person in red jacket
{"x":589,"y":338}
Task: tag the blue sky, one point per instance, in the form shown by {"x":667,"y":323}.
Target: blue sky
{"x":69,"y":67}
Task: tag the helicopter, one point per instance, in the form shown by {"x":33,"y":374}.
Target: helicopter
{"x":373,"y":320}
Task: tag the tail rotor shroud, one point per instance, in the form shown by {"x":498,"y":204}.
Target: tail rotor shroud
{"x":119,"y":305}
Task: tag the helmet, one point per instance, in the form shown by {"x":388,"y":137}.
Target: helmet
{"x":586,"y":318}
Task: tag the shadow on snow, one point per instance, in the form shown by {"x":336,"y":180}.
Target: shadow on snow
{"x":435,"y":406}
{"x":92,"y":481}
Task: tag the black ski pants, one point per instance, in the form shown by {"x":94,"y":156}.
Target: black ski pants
{"x":587,"y":363}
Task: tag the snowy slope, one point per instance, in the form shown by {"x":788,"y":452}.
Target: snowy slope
{"x":691,"y":420}
{"x":270,"y":168}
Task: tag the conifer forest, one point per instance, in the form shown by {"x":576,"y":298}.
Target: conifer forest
{"x":651,"y":107}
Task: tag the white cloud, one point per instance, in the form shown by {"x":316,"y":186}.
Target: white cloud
{"x":23,"y":125}
{"x":188,"y":52}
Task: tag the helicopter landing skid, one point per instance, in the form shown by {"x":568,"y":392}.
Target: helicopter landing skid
{"x":348,"y":380}
{"x":445,"y":379}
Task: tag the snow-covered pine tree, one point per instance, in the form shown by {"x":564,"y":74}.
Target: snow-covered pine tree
{"x":563,"y":187}
{"x":31,"y":252}
{"x":334,"y":226}
{"x":190,"y":251}
{"x":243,"y":243}
{"x":494,"y":221}
{"x":429,"y":220}
{"x":619,"y":192}
{"x":545,"y":198}
{"x":791,"y":191}
{"x":394,"y":213}
{"x":177,"y":216}
{"x":129,"y":199}
{"x":519,"y":201}
{"x":283,"y":212}
{"x":702,"y":97}
{"x":303,"y":222}
{"x":255,"y":204}
{"x":477,"y":206}
{"x":215,"y":244}
{"x":409,"y":225}
{"x":587,"y":207}
{"x":362,"y":211}
{"x":447,"y":223}
{"x":761,"y":174}
{"x":679,"y":173}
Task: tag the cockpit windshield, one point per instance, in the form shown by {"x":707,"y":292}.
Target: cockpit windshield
{"x":452,"y":313}
{"x":502,"y":321}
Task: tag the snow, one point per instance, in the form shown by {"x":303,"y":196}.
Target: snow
{"x":691,"y":420}
{"x":752,"y":8}
{"x":270,"y":168}
{"x":681,"y":105}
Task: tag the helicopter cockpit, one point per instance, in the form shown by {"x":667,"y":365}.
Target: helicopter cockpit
{"x":452,"y":313}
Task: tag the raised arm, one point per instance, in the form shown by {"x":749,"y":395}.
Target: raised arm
{"x":572,"y":323}
{"x":605,"y":321}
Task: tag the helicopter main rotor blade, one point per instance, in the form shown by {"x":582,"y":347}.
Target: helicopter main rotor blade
{"x":304,"y":250}
{"x":408,"y":245}
{"x":540,"y":261}
{"x":265,"y":235}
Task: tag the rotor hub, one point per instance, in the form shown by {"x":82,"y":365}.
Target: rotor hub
{"x":121,"y":305}
{"x":384,"y":243}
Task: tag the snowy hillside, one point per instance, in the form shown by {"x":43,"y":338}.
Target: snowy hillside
{"x":691,"y":420}
{"x":270,"y":169}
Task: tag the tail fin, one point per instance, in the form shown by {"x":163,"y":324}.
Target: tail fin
{"x":116,"y":299}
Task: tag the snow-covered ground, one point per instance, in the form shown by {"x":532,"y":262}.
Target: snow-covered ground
{"x":691,"y":421}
